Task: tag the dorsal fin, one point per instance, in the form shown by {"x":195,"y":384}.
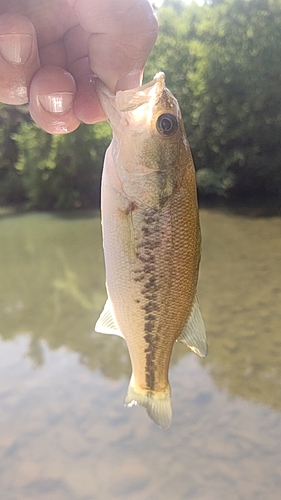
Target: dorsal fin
{"x":106,"y":322}
{"x":194,"y":333}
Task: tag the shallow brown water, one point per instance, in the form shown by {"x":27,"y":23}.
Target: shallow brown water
{"x":64,"y":433}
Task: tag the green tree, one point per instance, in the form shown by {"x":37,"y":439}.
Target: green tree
{"x":61,"y":171}
{"x":223,"y":64}
{"x":174,"y":52}
{"x":11,"y":188}
{"x":238,"y":129}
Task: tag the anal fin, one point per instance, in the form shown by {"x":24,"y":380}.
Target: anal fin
{"x":106,"y":322}
{"x":194,"y":333}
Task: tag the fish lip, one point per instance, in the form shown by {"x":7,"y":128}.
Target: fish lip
{"x":101,"y":87}
{"x":122,"y":101}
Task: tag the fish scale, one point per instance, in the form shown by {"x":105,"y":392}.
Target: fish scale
{"x":151,"y":239}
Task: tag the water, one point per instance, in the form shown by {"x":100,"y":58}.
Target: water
{"x":64,"y":433}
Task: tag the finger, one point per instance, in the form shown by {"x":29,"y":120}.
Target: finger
{"x":19,"y":60}
{"x":53,"y":55}
{"x":123,"y":34}
{"x":52,"y":94}
{"x":51,"y":18}
{"x":86,"y":105}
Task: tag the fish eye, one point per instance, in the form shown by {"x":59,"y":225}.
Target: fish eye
{"x":167,"y":124}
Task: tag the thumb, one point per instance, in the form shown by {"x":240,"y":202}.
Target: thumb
{"x":122,"y":35}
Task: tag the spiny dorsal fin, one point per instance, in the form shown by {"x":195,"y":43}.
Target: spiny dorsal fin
{"x":106,"y":322}
{"x":194,"y":333}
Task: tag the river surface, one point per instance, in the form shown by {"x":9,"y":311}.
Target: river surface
{"x":64,"y":433}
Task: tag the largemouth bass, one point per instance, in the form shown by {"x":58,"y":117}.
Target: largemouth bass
{"x":151,"y":239}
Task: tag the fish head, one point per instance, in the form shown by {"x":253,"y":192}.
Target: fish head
{"x":148,"y":140}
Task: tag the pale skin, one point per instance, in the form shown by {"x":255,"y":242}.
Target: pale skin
{"x":52,"y":51}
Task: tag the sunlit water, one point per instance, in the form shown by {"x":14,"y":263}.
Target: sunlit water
{"x":64,"y":433}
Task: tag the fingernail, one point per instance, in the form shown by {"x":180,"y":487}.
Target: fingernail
{"x":130,"y":81}
{"x":15,"y":48}
{"x":57,"y":102}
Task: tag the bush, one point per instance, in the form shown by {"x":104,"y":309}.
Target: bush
{"x":61,"y":171}
{"x":11,"y":188}
{"x":223,"y":64}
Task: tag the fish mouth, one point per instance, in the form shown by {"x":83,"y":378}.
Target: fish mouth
{"x":129,"y":100}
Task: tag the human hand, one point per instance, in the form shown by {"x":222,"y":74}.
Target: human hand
{"x":51,"y":52}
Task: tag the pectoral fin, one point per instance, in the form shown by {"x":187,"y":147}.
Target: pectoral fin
{"x":107,"y":323}
{"x":194,"y":333}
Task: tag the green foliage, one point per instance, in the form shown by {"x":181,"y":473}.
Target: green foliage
{"x":49,"y":171}
{"x":174,"y":51}
{"x":11,"y":188}
{"x":61,"y":171}
{"x":222,"y":61}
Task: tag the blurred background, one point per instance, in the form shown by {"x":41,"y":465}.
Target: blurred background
{"x":222,"y":62}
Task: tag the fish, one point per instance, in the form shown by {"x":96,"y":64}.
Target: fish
{"x":151,"y":239}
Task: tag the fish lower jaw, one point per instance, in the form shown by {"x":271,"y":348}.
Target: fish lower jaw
{"x":157,"y":403}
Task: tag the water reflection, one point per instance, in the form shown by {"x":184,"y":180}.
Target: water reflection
{"x":241,"y":294}
{"x":52,"y":287}
{"x":64,"y":431}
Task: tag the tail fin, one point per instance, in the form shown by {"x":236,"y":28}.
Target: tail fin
{"x":157,"y":404}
